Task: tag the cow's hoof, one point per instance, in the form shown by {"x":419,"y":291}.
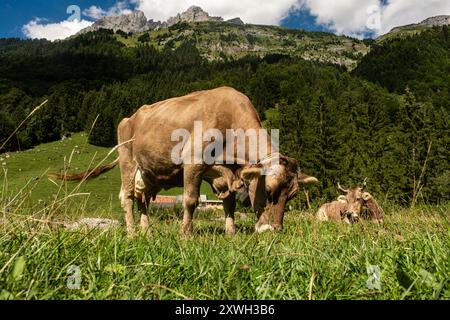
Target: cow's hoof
{"x":146,"y":233}
{"x":277,"y":228}
{"x":264,"y":228}
{"x":131,"y":235}
{"x":187,"y":231}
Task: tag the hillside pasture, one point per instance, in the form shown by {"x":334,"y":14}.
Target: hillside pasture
{"x":25,"y":174}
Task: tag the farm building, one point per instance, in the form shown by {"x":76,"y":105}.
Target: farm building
{"x":172,"y":201}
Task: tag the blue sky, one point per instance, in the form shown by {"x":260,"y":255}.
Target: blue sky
{"x":15,"y":14}
{"x":359,"y":18}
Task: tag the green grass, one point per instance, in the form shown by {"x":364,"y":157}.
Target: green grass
{"x":411,"y":250}
{"x":308,"y":259}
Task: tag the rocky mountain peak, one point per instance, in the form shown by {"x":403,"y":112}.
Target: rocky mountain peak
{"x":192,"y":14}
{"x":136,"y":22}
{"x":436,"y":21}
{"x":237,"y":21}
{"x":195,"y":9}
{"x":133,"y":22}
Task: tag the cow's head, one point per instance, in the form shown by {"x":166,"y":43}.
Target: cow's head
{"x":372,"y":210}
{"x":357,"y":201}
{"x":271,"y":184}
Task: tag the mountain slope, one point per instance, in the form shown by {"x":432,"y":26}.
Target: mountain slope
{"x":222,"y":41}
{"x":420,"y":62}
{"x":416,"y":28}
{"x":217,"y":39}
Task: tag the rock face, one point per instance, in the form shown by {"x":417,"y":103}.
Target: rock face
{"x":436,"y":21}
{"x":134,"y":22}
{"x":237,"y":21}
{"x":430,"y":22}
{"x":193,"y":14}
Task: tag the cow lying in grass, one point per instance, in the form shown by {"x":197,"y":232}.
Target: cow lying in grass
{"x":336,"y":211}
{"x":355,"y":205}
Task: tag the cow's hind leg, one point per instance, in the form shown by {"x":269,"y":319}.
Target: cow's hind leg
{"x":127,"y":174}
{"x":127,"y":196}
{"x":192,"y":182}
{"x":229,"y":206}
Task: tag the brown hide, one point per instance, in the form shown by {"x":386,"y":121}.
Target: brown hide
{"x":332,"y":211}
{"x":355,"y":204}
{"x":372,"y":210}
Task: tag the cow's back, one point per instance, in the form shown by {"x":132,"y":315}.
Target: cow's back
{"x":223,"y":106}
{"x":153,"y":125}
{"x":331,"y":211}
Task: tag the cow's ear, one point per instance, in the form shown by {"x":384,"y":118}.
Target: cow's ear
{"x":290,"y":163}
{"x":366,"y":196}
{"x":251,"y":173}
{"x":305,"y":179}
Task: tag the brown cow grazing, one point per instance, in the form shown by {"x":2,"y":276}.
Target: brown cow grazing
{"x":147,"y":164}
{"x":350,"y":208}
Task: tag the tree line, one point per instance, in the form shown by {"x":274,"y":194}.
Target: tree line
{"x":388,"y":120}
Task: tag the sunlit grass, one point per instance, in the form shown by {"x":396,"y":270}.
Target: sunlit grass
{"x":308,"y":260}
{"x":411,"y":250}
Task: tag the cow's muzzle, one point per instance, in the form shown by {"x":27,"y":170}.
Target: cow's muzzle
{"x":350,"y":217}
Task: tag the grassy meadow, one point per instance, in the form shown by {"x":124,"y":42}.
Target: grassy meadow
{"x":26,"y":175}
{"x":308,"y":260}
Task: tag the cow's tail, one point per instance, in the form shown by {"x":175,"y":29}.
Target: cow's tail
{"x":85,"y":175}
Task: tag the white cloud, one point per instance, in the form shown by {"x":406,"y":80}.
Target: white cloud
{"x":37,"y":29}
{"x":403,"y":12}
{"x":344,"y":16}
{"x":351,"y":16}
{"x":94,"y":12}
{"x":251,"y":11}
{"x":40,"y":29}
{"x":121,"y":7}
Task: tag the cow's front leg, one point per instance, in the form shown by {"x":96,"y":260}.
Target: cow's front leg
{"x":263,"y":223}
{"x":229,"y":206}
{"x":192,"y":182}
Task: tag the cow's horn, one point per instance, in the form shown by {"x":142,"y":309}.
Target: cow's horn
{"x":365,"y":184}
{"x":342,"y":189}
